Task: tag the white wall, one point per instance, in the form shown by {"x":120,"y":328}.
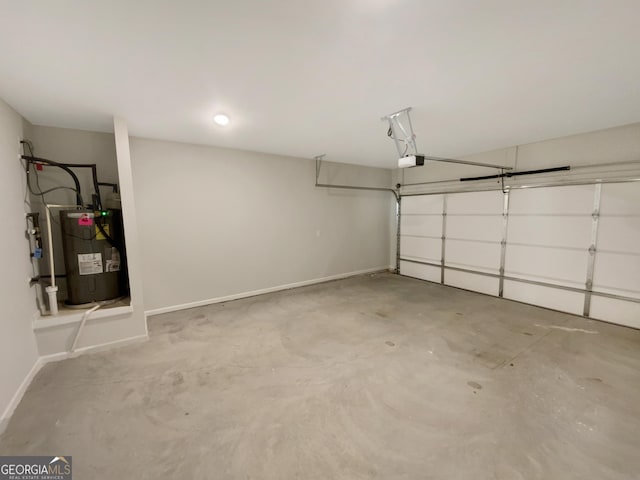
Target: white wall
{"x":18,"y":352}
{"x":216,"y":222}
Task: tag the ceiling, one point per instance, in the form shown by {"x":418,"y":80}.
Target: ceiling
{"x":303,"y":78}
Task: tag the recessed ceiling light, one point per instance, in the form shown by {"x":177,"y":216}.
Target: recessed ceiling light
{"x":221,"y":119}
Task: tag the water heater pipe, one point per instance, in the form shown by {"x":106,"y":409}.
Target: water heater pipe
{"x":52,"y":290}
{"x":85,"y":317}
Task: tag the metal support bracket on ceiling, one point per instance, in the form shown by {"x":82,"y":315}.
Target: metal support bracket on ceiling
{"x":318,"y":159}
{"x":402,"y":134}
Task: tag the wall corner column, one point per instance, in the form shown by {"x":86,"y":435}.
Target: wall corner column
{"x":134,"y":259}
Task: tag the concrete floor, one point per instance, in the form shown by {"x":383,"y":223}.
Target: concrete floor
{"x":377,"y":376}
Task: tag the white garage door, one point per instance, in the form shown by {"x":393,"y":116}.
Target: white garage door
{"x":570,"y":248}
{"x":548,"y":240}
{"x":473,"y":233}
{"x":421,"y":237}
{"x":617,"y":260}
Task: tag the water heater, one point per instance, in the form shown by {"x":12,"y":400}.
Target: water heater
{"x":93,"y":255}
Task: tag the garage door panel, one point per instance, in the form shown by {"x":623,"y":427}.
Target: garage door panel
{"x":427,"y":249}
{"x":573,"y":200}
{"x":473,"y":255}
{"x":420,"y":225}
{"x":563,"y":267}
{"x":476,"y":203}
{"x":619,"y":234}
{"x":572,"y":232}
{"x":548,"y":297}
{"x":424,"y":204}
{"x":549,"y":232}
{"x":487,"y":228}
{"x":423,"y":272}
{"x":616,"y":311}
{"x":620,"y":199}
{"x":617,"y":274}
{"x":471,"y":281}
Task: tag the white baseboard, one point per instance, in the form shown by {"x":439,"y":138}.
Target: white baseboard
{"x":15,"y":400}
{"x":237,"y":296}
{"x":55,"y":357}
{"x":42,"y":361}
